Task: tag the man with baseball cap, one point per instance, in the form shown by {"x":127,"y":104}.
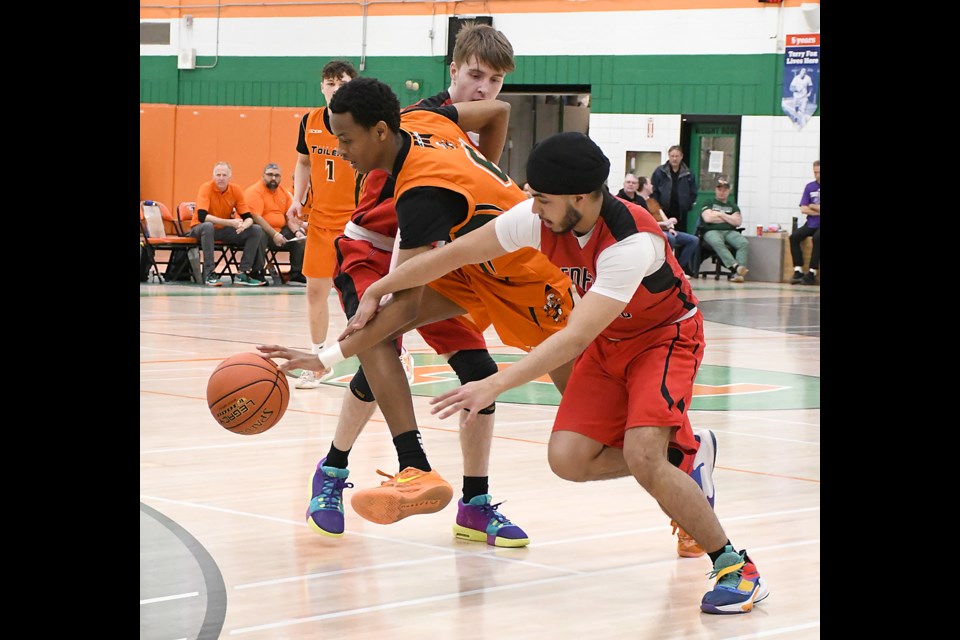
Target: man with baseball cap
{"x":636,"y":334}
{"x":721,"y":219}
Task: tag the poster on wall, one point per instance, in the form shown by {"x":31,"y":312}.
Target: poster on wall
{"x":801,"y":77}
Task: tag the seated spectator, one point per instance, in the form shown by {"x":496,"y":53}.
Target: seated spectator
{"x":720,"y":220}
{"x":631,"y":191}
{"x":684,"y":245}
{"x":270,"y":204}
{"x":810,"y":207}
{"x":217,"y":201}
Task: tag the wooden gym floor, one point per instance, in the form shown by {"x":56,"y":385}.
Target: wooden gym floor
{"x":225,"y":551}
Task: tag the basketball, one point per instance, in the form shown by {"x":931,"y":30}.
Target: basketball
{"x":247,"y":394}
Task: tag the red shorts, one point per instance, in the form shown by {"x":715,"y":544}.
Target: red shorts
{"x":646,"y":381}
{"x":360,"y":264}
{"x":524,"y":314}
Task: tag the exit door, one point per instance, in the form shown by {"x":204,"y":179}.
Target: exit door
{"x":714,"y":152}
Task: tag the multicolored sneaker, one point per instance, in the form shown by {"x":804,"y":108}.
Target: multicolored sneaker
{"x":478,"y":520}
{"x":702,"y":473}
{"x":410,"y":492}
{"x":325,"y":512}
{"x":739,"y":585}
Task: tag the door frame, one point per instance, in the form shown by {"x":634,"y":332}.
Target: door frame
{"x":691,"y":127}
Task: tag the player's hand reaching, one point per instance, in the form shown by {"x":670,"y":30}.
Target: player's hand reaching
{"x":294,"y":359}
{"x":366,"y":309}
{"x":473,"y":396}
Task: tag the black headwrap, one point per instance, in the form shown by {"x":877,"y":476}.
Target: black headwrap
{"x":567,"y":163}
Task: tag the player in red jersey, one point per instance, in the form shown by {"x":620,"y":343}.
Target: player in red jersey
{"x":636,"y":334}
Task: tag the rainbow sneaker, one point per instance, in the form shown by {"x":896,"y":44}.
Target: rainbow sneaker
{"x":478,"y":520}
{"x":410,"y":492}
{"x":739,"y":585}
{"x":325,"y":512}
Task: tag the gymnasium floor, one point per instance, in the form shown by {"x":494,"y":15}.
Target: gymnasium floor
{"x":225,"y":552}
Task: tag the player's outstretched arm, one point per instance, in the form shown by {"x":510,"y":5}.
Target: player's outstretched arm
{"x":294,"y":359}
{"x":591,"y":316}
{"x":476,"y":247}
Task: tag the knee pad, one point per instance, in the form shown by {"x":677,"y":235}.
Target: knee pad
{"x":471,"y":365}
{"x":360,"y":387}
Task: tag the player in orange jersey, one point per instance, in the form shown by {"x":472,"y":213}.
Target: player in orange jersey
{"x":334,"y":190}
{"x":482,"y":56}
{"x":445,"y":187}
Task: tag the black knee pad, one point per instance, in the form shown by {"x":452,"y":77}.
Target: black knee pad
{"x":360,"y":387}
{"x":474,"y":364}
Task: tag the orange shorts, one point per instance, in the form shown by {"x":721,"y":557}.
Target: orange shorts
{"x":524,"y":314}
{"x":645,"y":381}
{"x":319,"y":256}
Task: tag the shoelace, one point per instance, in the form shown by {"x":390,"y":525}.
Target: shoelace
{"x":386,"y":475}
{"x":490,"y":510}
{"x":331,"y":493}
{"x":730,"y":575}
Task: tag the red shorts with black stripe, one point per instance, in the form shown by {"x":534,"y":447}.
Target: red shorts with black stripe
{"x":646,"y":381}
{"x":360,"y":264}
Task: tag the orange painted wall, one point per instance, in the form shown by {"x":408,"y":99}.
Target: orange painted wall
{"x":180,"y":145}
{"x":157,"y":130}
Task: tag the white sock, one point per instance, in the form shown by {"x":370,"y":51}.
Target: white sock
{"x":798,"y":269}
{"x":813,"y":271}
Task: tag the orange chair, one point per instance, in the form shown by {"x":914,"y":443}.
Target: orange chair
{"x":226,"y":260}
{"x":161,"y":233}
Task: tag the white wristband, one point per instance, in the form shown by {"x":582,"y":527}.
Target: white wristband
{"x":330,"y":357}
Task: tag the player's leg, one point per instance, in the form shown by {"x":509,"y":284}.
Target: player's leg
{"x":417,"y":488}
{"x":319,"y":264}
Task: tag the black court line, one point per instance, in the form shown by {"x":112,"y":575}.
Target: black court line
{"x":216,"y":590}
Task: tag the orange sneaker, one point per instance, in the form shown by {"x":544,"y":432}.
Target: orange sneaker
{"x":687,"y":547}
{"x":411,"y":492}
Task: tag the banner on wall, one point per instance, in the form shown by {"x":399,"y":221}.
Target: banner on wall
{"x":801,"y":77}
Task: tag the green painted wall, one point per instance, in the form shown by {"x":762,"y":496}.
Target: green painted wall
{"x":717,"y":84}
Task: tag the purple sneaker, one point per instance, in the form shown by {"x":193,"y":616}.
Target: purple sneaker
{"x":480,"y":521}
{"x":325,"y":513}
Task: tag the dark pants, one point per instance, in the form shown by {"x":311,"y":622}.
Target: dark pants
{"x":250,"y":239}
{"x":796,"y":251}
{"x":296,"y":250}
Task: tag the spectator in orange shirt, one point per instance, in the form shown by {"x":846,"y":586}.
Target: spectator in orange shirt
{"x":217,"y":202}
{"x":269,"y":204}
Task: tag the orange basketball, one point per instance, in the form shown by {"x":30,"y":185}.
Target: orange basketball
{"x":247,"y":393}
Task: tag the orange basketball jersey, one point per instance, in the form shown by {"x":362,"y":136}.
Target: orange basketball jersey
{"x":333,"y":184}
{"x":442,"y":156}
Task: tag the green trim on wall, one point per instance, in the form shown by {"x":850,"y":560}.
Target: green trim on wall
{"x":707,"y":84}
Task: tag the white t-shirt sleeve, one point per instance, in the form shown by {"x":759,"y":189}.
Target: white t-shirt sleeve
{"x":519,"y":227}
{"x":621,"y":266}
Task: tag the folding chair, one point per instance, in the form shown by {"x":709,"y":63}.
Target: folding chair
{"x":161,"y":232}
{"x":225,"y":260}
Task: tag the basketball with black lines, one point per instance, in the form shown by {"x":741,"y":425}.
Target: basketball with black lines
{"x":247,"y":393}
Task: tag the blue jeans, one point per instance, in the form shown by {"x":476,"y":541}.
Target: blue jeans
{"x":685,"y":247}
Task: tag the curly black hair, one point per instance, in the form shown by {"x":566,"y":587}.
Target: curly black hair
{"x":369,"y":101}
